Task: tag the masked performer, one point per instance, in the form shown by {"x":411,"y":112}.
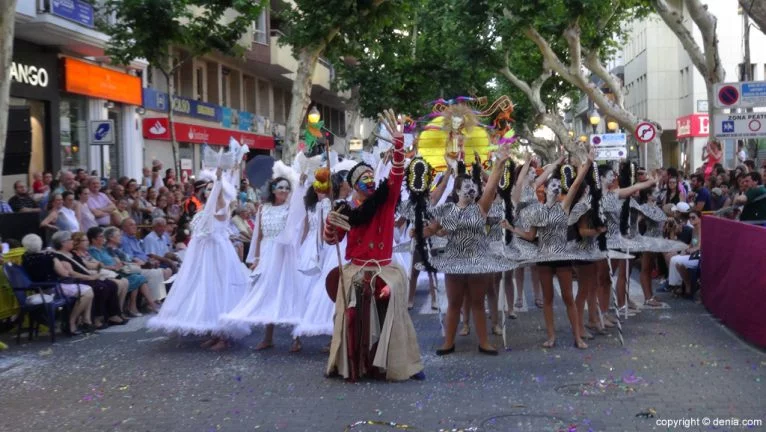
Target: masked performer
{"x":467,"y":260}
{"x":276,"y":296}
{"x":211,"y":279}
{"x":587,"y":223}
{"x":555,"y":255}
{"x":613,"y":201}
{"x":653,"y":219}
{"x":373,"y":333}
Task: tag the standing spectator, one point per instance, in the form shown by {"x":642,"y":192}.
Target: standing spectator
{"x":118,"y":192}
{"x":702,"y":201}
{"x":80,"y":176}
{"x":711,"y":155}
{"x":47,"y":181}
{"x":741,"y":153}
{"x":100,"y":204}
{"x":23,"y":202}
{"x":194,"y":203}
{"x":157,"y":182}
{"x":147,"y":177}
{"x":66,"y":182}
{"x":38,"y":186}
{"x":85,"y":217}
{"x":170,"y":177}
{"x":753,"y":199}
{"x":151,"y":196}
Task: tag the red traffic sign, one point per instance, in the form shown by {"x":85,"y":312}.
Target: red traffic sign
{"x":728,"y":95}
{"x":645,"y":132}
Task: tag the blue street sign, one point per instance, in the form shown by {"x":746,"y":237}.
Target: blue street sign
{"x":78,"y":11}
{"x":728,"y":126}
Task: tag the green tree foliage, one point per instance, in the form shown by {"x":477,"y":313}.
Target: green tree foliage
{"x":147,"y":29}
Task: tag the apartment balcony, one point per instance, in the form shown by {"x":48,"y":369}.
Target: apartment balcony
{"x":70,"y":29}
{"x":283,"y":61}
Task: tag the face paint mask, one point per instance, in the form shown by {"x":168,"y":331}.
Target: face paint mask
{"x":282,"y":187}
{"x":366,"y":184}
{"x":554,"y":189}
{"x":468,"y":190}
{"x":531,"y":174}
{"x":608,"y":179}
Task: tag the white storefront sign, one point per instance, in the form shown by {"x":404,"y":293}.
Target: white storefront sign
{"x":608,"y":140}
{"x":29,"y":74}
{"x":744,"y":125}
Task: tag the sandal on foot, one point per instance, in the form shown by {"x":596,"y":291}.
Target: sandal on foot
{"x":263,"y":345}
{"x":296,"y":347}
{"x":465,"y":331}
{"x":497,"y":330}
{"x":539,"y":303}
{"x":586,"y":335}
{"x":550,"y":343}
{"x":653,"y":302}
{"x":580,"y":345}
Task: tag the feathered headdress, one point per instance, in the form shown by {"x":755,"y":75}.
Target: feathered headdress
{"x":280,"y":169}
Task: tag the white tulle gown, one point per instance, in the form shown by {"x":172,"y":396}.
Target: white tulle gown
{"x":276,"y":296}
{"x":211,"y":280}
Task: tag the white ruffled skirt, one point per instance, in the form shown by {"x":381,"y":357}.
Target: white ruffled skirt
{"x":277,"y":295}
{"x":320,"y":310}
{"x":211,"y":281}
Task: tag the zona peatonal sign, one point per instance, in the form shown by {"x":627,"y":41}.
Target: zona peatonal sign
{"x":740,"y":125}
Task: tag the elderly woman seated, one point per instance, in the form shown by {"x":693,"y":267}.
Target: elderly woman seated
{"x":46,"y":267}
{"x":108,"y":257}
{"x":81,"y":255}
{"x":106,"y":293}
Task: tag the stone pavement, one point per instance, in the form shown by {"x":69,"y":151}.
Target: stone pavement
{"x":677,"y":361}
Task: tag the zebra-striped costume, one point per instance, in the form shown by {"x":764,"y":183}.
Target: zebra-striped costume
{"x":467,"y":250}
{"x":652,"y":239}
{"x":435,"y":243}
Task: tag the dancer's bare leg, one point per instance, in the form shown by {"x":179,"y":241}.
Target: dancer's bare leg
{"x":546,"y":281}
{"x":268,"y":338}
{"x":476,"y":300}
{"x":564,"y":274}
{"x":455,"y":295}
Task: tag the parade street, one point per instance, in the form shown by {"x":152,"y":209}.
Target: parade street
{"x":678,"y":365}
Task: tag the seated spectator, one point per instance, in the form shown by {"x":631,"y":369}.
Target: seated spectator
{"x":718,"y":199}
{"x":50,"y":222}
{"x":175,"y":208}
{"x":678,"y":277}
{"x":45,"y":267}
{"x":80,"y":176}
{"x":105,"y":292}
{"x":81,"y":255}
{"x":133,"y":251}
{"x":151,"y":196}
{"x":160,"y":210}
{"x":23,"y":202}
{"x":121,"y":212}
{"x":157,"y":181}
{"x":47,"y":182}
{"x":85,"y":217}
{"x":4,"y":207}
{"x":39,"y":187}
{"x":158,"y":245}
{"x":109,"y":257}
{"x":118,"y":193}
{"x":701,"y":193}
{"x":753,"y":199}
{"x":100,"y":204}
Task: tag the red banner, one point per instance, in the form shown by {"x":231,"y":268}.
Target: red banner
{"x":157,"y":128}
{"x":694,"y":125}
{"x":733,"y":280}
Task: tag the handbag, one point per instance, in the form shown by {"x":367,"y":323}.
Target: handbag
{"x":108,"y":274}
{"x":130,"y":269}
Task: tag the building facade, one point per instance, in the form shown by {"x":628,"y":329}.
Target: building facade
{"x":65,"y":94}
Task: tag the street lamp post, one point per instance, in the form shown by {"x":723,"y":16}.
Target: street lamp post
{"x":612,"y":125}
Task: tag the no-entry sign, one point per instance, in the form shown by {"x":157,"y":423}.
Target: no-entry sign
{"x":645,"y":132}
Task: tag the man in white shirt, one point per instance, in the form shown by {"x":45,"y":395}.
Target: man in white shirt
{"x":741,"y":153}
{"x":157,"y":244}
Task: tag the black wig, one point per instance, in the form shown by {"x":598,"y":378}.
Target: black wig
{"x":504,"y":189}
{"x":418,"y":180}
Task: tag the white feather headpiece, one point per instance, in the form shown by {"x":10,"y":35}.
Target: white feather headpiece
{"x":280,"y":169}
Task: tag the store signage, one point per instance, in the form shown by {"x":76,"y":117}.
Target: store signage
{"x":235,"y":119}
{"x":159,"y":129}
{"x":78,"y":11}
{"x":158,"y":101}
{"x":694,"y":125}
{"x":29,"y":74}
{"x":744,"y":125}
{"x":92,"y":80}
{"x":102,"y":132}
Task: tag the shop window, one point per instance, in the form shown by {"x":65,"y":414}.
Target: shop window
{"x":259,"y":29}
{"x":74,"y":133}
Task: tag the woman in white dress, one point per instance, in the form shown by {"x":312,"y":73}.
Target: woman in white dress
{"x":211,"y":280}
{"x":320,"y":309}
{"x":276,"y":296}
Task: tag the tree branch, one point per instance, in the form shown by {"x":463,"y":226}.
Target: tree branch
{"x":674,"y":20}
{"x":707,"y":24}
{"x":757,"y":12}
{"x":593,"y":63}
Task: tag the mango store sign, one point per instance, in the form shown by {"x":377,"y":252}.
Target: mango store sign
{"x":29,"y":74}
